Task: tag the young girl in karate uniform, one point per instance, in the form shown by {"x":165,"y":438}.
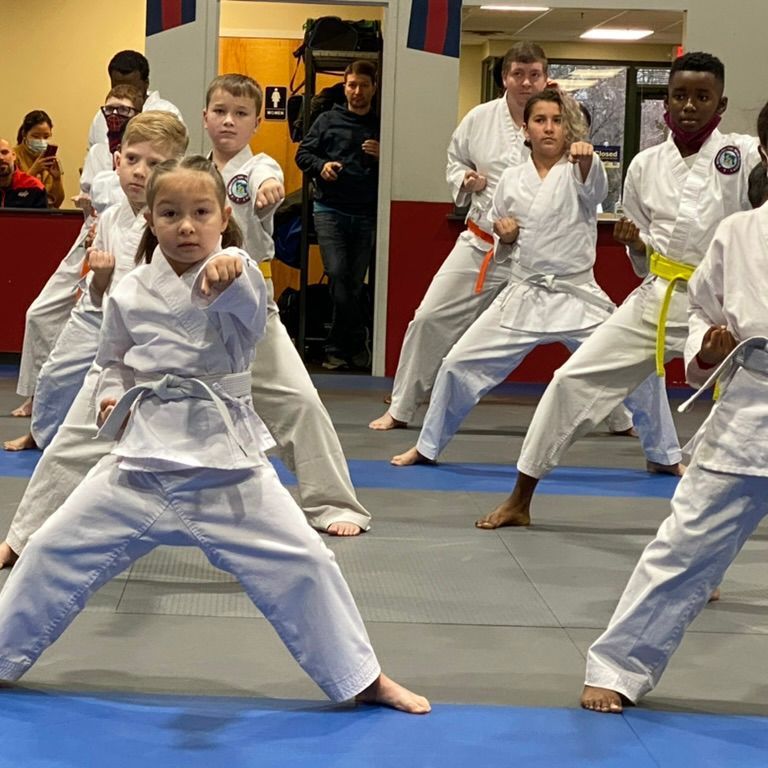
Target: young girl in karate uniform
{"x":544,"y":216}
{"x":189,"y":466}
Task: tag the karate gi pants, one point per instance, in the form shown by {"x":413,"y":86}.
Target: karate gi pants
{"x":713,"y":514}
{"x":609,"y":365}
{"x":245,"y":522}
{"x":47,"y":315}
{"x":486,"y":354}
{"x":63,"y":374}
{"x":448,"y":308}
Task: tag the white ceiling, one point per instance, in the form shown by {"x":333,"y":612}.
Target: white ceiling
{"x":564,"y":24}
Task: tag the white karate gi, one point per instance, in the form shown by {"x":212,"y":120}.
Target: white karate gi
{"x":677,"y":208}
{"x":47,"y":314}
{"x":722,"y":496}
{"x":97,"y":160}
{"x":283,"y":393}
{"x":97,"y":133}
{"x":487,"y":141}
{"x":551,"y":295}
{"x":180,"y":475}
{"x":118,"y":232}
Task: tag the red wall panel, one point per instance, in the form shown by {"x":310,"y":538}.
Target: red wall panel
{"x":32,"y":243}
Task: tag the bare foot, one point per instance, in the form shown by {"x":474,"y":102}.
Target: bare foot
{"x":678,"y":470}
{"x":508,"y":512}
{"x":411,"y":456}
{"x":388,"y":693}
{"x":631,"y":432}
{"x":388,"y":398}
{"x":7,"y":556}
{"x":387,"y":422}
{"x":25,"y":409}
{"x":343,"y":529}
{"x":715,"y":596}
{"x":23,"y":443}
{"x":515,"y":509}
{"x":601,"y":700}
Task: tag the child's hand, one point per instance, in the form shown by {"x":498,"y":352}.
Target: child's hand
{"x":101,"y":263}
{"x":331,"y":170}
{"x":474,"y":181}
{"x":269,"y":193}
{"x":627,"y":233}
{"x":507,"y":229}
{"x":105,"y":408}
{"x":580,"y":150}
{"x":219,"y":273}
{"x":91,"y":236}
{"x":717,"y":344}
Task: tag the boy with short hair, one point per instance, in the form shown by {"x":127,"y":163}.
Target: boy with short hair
{"x":675,"y":195}
{"x":64,"y":416}
{"x":283,"y":393}
{"x":722,"y":496}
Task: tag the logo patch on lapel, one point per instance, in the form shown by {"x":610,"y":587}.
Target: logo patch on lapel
{"x":237,"y":189}
{"x":728,"y":160}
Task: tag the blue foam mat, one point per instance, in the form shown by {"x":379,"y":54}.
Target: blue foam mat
{"x":63,"y":729}
{"x":472,"y":478}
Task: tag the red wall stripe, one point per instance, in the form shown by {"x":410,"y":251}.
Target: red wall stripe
{"x":171,"y":14}
{"x":437,"y":26}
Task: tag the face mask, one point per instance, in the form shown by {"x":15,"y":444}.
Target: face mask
{"x":115,"y":129}
{"x":36,"y":146}
{"x":694,"y":140}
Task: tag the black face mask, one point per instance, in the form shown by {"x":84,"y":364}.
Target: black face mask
{"x":115,"y":130}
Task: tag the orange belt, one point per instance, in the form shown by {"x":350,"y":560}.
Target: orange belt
{"x":486,"y":238}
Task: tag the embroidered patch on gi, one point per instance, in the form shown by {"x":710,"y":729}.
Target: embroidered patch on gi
{"x":728,"y":160}
{"x":237,"y":189}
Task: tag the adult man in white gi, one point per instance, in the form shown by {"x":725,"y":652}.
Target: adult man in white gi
{"x":675,"y":195}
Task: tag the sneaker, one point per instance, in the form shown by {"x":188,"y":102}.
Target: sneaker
{"x":334,"y":363}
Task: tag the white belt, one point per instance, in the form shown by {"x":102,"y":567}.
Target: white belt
{"x":171,"y":387}
{"x":752,"y":354}
{"x":562,"y":284}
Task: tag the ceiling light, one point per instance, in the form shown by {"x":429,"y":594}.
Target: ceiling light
{"x":607,"y":33}
{"x":521,"y":8}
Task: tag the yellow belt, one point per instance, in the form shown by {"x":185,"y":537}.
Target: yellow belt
{"x":673,"y":272}
{"x":266,"y":269}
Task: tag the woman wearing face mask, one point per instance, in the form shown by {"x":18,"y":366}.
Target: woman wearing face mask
{"x":32,"y":142}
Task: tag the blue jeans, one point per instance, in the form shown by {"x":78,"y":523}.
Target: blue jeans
{"x":346,"y":246}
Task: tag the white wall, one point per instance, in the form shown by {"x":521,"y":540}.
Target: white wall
{"x":184,"y":60}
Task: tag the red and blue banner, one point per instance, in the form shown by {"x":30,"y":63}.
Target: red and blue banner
{"x":168,"y":14}
{"x":435,"y":27}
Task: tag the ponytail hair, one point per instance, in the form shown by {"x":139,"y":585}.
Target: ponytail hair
{"x":232,"y":235}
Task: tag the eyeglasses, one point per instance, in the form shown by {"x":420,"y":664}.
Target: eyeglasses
{"x":118,"y":110}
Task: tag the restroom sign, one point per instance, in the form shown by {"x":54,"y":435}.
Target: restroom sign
{"x":275,"y":97}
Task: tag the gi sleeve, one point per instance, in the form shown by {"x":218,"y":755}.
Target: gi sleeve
{"x":244,"y":300}
{"x":460,"y":161}
{"x":592,"y":190}
{"x":705,"y":296}
{"x":263,"y":169}
{"x":637,"y":214}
